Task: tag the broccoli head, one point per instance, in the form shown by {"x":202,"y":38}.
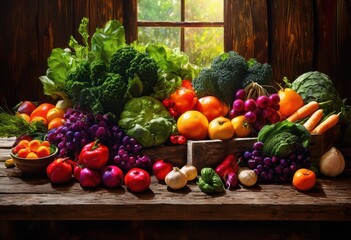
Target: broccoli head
{"x":121,"y":60}
{"x":145,"y":69}
{"x":80,"y":73}
{"x":258,"y":72}
{"x":224,"y":77}
{"x":98,"y":70}
{"x":113,"y":94}
{"x":206,"y":83}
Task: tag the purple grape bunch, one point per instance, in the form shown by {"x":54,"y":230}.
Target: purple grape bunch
{"x":274,"y":169}
{"x":259,"y":111}
{"x":81,"y":128}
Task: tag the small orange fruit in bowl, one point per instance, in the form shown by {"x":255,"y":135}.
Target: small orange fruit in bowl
{"x":34,"y":162}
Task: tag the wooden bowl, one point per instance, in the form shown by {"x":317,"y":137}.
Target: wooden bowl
{"x":34,"y":166}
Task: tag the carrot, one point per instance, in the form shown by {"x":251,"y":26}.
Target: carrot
{"x":304,"y":111}
{"x":328,"y":123}
{"x":313,"y":120}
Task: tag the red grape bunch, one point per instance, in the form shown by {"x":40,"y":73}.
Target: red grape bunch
{"x":257,"y":111}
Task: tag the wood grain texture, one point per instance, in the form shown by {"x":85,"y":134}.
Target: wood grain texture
{"x":249,"y":29}
{"x":292,"y":38}
{"x":24,"y":197}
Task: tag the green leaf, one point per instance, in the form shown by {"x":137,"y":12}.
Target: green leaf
{"x":107,"y":40}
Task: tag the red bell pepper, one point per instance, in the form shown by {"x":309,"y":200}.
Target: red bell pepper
{"x":94,"y":155}
{"x":229,"y":164}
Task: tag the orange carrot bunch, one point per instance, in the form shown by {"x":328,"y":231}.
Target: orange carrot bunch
{"x":314,"y":123}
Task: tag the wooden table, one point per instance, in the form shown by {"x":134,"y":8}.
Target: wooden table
{"x":35,"y":198}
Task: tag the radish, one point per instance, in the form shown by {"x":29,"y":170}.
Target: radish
{"x":230,"y":179}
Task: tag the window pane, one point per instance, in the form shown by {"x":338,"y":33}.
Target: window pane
{"x":204,"y":10}
{"x":203,"y":44}
{"x":167,"y":36}
{"x":161,"y":10}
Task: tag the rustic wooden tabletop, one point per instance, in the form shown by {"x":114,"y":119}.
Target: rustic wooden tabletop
{"x":35,"y":198}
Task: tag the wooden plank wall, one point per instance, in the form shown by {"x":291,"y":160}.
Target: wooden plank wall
{"x":294,"y":36}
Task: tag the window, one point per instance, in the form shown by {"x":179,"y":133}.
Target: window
{"x":194,"y":26}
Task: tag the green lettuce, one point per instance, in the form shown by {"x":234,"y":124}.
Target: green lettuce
{"x":104,"y":43}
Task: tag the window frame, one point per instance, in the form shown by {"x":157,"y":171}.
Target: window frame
{"x":131,"y":23}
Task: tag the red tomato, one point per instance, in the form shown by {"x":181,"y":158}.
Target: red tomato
{"x":137,"y":180}
{"x":41,"y":110}
{"x":161,"y":168}
{"x":60,"y":171}
{"x":187,"y":84}
{"x":211,"y":107}
{"x":184,"y":100}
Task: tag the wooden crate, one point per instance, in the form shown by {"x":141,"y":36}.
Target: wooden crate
{"x":209,"y":153}
{"x":177,"y":154}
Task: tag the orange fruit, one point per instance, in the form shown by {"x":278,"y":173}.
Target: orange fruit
{"x":193,"y":125}
{"x":38,"y":118}
{"x":55,"y":123}
{"x":23,"y":143}
{"x":54,"y":113}
{"x":304,"y":179}
{"x":41,"y":110}
{"x":32,"y":155}
{"x":34,"y":145}
{"x":43,"y":151}
{"x":22,"y":153}
{"x":25,"y":116}
{"x":241,"y":126}
{"x":221,"y":128}
{"x":211,"y":107}
{"x":45,"y":143}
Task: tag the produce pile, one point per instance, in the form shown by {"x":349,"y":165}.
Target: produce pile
{"x":114,"y":99}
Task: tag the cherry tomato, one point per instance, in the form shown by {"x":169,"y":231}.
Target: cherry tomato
{"x":221,"y":128}
{"x":304,"y":179}
{"x":184,"y":100}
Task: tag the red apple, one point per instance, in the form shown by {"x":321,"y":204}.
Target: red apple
{"x":89,"y":178}
{"x":60,"y":171}
{"x":161,"y":168}
{"x":112,"y":176}
{"x":26,"y":107}
{"x":137,"y":180}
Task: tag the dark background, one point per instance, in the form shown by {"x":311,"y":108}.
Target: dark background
{"x":293,"y":36}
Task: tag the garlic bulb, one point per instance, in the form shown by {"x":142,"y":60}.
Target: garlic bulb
{"x":176,"y":179}
{"x":247,"y":177}
{"x":332,"y":163}
{"x":190,"y":171}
